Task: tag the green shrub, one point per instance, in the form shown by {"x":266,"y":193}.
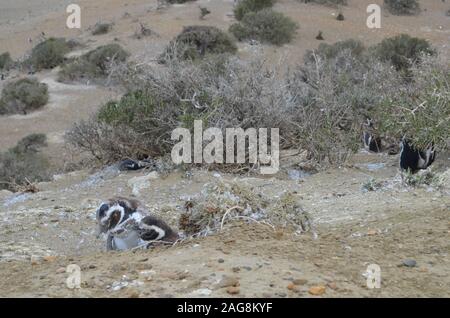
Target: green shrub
{"x":5,"y":61}
{"x":402,"y":7}
{"x":266,"y":26}
{"x":245,"y":6}
{"x":420,"y":112}
{"x":402,"y":51}
{"x":48,"y":54}
{"x":93,"y":65}
{"x":23,"y":96}
{"x":23,"y":164}
{"x":197,"y":41}
{"x":101,"y":28}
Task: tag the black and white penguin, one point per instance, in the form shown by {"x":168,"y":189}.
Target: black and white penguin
{"x":371,"y":141}
{"x":129,"y":164}
{"x":413,"y":160}
{"x":128,"y":225}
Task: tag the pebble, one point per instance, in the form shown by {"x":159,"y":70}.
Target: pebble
{"x":409,"y":263}
{"x":233,"y":290}
{"x":49,"y":258}
{"x":202,"y":292}
{"x":221,"y":260}
{"x":60,"y":270}
{"x":227,"y":281}
{"x":292,"y":287}
{"x":317,"y":290}
{"x":299,"y":281}
{"x":332,"y":285}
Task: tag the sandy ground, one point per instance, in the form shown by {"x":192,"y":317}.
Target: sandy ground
{"x":42,"y":233}
{"x":355,"y":228}
{"x":22,"y":22}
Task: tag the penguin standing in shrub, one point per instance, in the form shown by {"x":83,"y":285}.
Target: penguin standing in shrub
{"x":412,"y":159}
{"x":129,"y":226}
{"x":371,"y":141}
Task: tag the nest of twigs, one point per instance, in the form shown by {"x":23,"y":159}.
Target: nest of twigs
{"x":222,"y":202}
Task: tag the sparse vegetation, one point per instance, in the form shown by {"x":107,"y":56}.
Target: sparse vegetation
{"x":425,"y":178}
{"x":219,"y":203}
{"x":5,"y":61}
{"x":48,"y":54}
{"x":402,"y":7}
{"x":101,"y":28}
{"x":246,"y":6}
{"x":372,"y":185}
{"x":178,"y":1}
{"x":420,"y":111}
{"x":330,"y":51}
{"x":266,"y":26}
{"x":23,"y":96}
{"x":327,"y":2}
{"x":318,"y":106}
{"x":94,"y":65}
{"x":197,"y":41}
{"x":23,"y":164}
{"x":403,"y":51}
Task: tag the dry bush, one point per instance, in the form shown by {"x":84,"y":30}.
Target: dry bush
{"x":23,"y":96}
{"x":197,"y":41}
{"x":336,"y":95}
{"x":402,"y":7}
{"x":48,"y":54}
{"x":420,"y":109}
{"x":222,"y":202}
{"x":333,"y":3}
{"x":318,"y":107}
{"x":101,"y":28}
{"x":266,"y":26}
{"x":5,"y":61}
{"x":23,"y":165}
{"x":402,"y":51}
{"x":94,"y":65}
{"x":246,"y":6}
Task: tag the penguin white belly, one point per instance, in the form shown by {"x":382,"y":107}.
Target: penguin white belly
{"x":125,"y":242}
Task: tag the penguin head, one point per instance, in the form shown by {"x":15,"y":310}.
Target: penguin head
{"x":113,"y":212}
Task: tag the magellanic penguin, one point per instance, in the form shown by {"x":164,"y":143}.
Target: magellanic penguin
{"x":412,"y":159}
{"x":128,"y":225}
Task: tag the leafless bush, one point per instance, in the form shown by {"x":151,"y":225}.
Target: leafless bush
{"x":23,"y":165}
{"x":318,"y":106}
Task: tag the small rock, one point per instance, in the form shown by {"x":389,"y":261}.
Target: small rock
{"x":233,"y":290}
{"x":299,"y":281}
{"x":50,"y":259}
{"x":317,"y":290}
{"x":292,"y":287}
{"x":140,"y":183}
{"x":332,"y":285}
{"x":202,"y":292}
{"x":133,"y":294}
{"x":235,"y":269}
{"x":409,"y":263}
{"x":34,"y":260}
{"x":227,"y":281}
{"x":92,"y":266}
{"x":60,"y":270}
{"x":221,"y":260}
